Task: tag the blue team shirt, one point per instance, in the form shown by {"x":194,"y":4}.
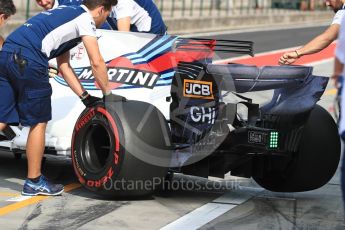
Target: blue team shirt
{"x":157,"y":25}
{"x":51,"y":33}
{"x":145,"y":16}
{"x":151,"y":15}
{"x":105,"y":26}
{"x":70,"y":2}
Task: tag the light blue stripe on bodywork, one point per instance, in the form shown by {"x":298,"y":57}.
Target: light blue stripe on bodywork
{"x":160,"y":50}
{"x":148,"y":49}
{"x":167,"y":75}
{"x":62,"y":81}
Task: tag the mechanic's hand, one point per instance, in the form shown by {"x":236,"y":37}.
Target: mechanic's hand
{"x":52,"y":72}
{"x":90,"y":101}
{"x":288,"y":58}
{"x":113,"y":98}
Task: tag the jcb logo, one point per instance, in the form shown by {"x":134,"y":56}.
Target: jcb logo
{"x":197,"y":89}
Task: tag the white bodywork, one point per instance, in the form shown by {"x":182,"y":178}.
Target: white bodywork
{"x":66,"y":106}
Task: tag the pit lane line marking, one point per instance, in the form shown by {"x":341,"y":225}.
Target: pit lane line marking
{"x":8,"y":194}
{"x":208,"y":212}
{"x":263,"y":54}
{"x":272,"y":57}
{"x":330,"y":92}
{"x":28,"y":200}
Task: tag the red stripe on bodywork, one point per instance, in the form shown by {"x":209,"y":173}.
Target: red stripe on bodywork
{"x":162,"y":63}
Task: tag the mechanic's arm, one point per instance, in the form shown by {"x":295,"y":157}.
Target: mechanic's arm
{"x":73,"y":81}
{"x":124,"y":24}
{"x":337,"y":71}
{"x":97,"y":63}
{"x":68,"y":74}
{"x":339,"y":57}
{"x":317,"y":44}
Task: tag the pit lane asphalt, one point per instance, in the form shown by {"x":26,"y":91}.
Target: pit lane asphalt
{"x":79,"y":209}
{"x":270,"y":39}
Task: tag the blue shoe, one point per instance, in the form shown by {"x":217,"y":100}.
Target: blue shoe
{"x":42,"y":187}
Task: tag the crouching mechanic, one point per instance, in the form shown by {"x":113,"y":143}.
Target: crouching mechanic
{"x":137,"y":16}
{"x":24,"y":82}
{"x":127,"y":15}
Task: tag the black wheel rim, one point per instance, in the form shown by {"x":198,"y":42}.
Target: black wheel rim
{"x":97,"y":145}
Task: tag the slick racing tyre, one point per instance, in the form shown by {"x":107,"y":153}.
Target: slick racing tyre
{"x":121,"y":149}
{"x":312,"y":166}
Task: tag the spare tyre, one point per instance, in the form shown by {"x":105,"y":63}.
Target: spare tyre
{"x":121,"y":149}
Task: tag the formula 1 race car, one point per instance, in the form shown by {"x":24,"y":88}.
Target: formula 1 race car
{"x":186,"y":114}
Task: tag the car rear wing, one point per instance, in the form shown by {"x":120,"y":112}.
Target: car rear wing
{"x":248,"y":78}
{"x":207,"y":45}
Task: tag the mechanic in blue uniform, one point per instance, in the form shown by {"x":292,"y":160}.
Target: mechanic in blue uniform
{"x":338,"y":72}
{"x":52,"y":4}
{"x":127,"y":15}
{"x":137,"y":16}
{"x":24,"y":82}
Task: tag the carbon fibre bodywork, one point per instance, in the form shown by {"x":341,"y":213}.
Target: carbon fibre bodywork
{"x":201,"y":125}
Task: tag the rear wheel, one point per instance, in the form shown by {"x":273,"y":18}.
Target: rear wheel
{"x":109,"y":151}
{"x":312,"y":166}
